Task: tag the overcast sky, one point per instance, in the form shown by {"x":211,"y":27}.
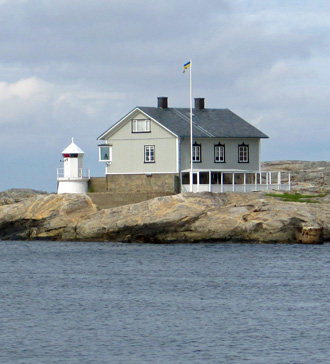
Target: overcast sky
{"x":73,"y":68}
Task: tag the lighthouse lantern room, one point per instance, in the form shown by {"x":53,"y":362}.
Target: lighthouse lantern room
{"x":72,"y":178}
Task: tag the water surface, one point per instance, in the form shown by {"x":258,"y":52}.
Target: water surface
{"x":195,"y":303}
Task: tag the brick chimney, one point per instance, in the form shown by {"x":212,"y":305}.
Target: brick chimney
{"x":162,"y":102}
{"x":199,"y":103}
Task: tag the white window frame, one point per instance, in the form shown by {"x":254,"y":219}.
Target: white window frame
{"x":219,"y":153}
{"x":141,"y":126}
{"x":149,"y":154}
{"x":243,"y":153}
{"x":197,"y":150}
{"x":102,"y":154}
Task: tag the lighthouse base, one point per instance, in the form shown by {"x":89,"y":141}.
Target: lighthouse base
{"x":72,"y":186}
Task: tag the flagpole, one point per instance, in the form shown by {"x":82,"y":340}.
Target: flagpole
{"x":191,"y":133}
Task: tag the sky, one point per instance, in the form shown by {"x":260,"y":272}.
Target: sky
{"x":74,"y":68}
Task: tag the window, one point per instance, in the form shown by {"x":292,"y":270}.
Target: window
{"x":219,"y":153}
{"x":185,"y":178}
{"x":197,"y":152}
{"x":70,"y":155}
{"x":243,"y":153}
{"x":204,"y":178}
{"x":140,"y":125}
{"x":149,"y":154}
{"x":105,"y":153}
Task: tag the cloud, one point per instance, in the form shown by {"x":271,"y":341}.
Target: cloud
{"x":24,"y":90}
{"x":25,"y":98}
{"x":21,"y":99}
{"x":116,"y":34}
{"x":86,"y":104}
{"x":43,"y":116}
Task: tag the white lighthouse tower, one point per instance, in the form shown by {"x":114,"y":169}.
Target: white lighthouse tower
{"x":72,"y":178}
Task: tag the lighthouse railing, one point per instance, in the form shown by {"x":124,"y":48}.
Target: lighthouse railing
{"x":81,"y":173}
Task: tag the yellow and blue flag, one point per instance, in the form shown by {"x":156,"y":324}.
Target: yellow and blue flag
{"x":186,"y":66}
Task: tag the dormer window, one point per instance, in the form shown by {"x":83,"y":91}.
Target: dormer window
{"x":105,"y":153}
{"x":141,"y":126}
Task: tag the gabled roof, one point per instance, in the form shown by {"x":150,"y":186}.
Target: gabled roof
{"x":207,"y":123}
{"x":217,"y":123}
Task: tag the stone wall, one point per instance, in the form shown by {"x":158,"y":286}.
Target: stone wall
{"x":117,"y":190}
{"x":97,"y":184}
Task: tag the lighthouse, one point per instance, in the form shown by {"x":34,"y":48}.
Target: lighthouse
{"x":72,"y":178}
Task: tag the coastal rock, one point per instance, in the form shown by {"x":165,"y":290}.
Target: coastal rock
{"x":15,"y":195}
{"x":41,"y":216}
{"x":204,"y":217}
{"x":242,"y":217}
{"x":305,"y":175}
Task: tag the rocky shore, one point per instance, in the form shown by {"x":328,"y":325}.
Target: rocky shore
{"x":242,"y":217}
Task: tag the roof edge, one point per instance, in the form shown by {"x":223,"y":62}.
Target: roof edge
{"x":137,"y":108}
{"x":116,"y":124}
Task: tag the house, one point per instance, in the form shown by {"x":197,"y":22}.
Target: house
{"x":150,"y":148}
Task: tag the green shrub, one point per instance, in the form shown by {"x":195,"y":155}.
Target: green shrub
{"x":297,"y":197}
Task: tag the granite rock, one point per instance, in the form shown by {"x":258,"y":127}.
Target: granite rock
{"x":243,"y":217}
{"x":42,"y":216}
{"x":305,"y":175}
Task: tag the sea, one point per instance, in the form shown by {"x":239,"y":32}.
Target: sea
{"x":66,"y":302}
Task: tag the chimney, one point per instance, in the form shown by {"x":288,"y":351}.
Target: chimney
{"x":199,"y":103}
{"x":162,"y":102}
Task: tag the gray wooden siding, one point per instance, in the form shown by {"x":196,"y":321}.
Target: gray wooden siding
{"x":231,"y":154}
{"x":128,"y":150}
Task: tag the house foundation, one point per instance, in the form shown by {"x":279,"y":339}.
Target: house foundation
{"x":117,"y":190}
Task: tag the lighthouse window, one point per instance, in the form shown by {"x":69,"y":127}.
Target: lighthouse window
{"x":70,"y":155}
{"x":105,"y":153}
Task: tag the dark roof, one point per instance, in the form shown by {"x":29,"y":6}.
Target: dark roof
{"x":218,"y":123}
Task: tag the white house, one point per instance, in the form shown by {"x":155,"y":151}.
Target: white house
{"x":155,"y":141}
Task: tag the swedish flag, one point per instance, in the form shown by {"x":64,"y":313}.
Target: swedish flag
{"x":186,"y":66}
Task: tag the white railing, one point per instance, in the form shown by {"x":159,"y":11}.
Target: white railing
{"x":80,"y":174}
{"x":238,"y":181}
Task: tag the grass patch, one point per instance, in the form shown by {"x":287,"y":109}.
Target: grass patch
{"x":296,"y":197}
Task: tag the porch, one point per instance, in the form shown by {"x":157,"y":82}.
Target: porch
{"x":219,"y":181}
